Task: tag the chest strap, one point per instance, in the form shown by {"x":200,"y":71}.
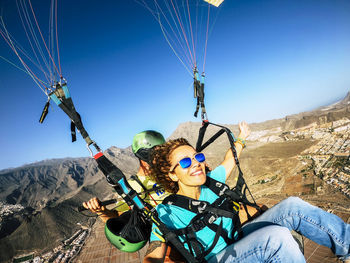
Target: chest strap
{"x":206,"y":215}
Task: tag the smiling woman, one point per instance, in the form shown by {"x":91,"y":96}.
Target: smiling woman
{"x":190,"y":175}
{"x":207,"y":222}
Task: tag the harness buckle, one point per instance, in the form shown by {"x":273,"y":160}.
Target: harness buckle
{"x":212,"y":219}
{"x":197,"y":225}
{"x":96,"y":147}
{"x":223,"y":187}
{"x":223,"y":190}
{"x":200,"y":205}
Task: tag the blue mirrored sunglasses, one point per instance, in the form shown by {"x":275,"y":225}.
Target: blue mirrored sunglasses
{"x":187,"y":161}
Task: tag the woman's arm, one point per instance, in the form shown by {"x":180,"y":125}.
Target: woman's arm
{"x":229,"y":161}
{"x":155,"y":252}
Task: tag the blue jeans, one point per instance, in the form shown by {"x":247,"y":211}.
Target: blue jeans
{"x":267,"y":238}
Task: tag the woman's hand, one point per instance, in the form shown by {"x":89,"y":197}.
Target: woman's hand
{"x":244,"y":130}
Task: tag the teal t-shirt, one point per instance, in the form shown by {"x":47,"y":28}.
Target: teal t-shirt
{"x":175,"y":217}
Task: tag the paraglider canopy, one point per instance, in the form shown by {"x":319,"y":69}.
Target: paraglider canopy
{"x":214,"y":2}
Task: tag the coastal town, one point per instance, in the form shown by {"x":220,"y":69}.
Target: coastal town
{"x":330,"y":157}
{"x":7,"y":210}
{"x":64,"y":253}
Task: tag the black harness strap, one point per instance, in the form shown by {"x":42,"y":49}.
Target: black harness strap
{"x":116,"y":178}
{"x":219,"y":233}
{"x":172,"y":238}
{"x":45,"y":111}
{"x":239,"y":192}
{"x":197,"y":206}
{"x":136,"y":178}
{"x":200,"y":99}
{"x":62,"y":98}
{"x":197,"y":223}
{"x":72,"y":128}
{"x":199,"y":146}
{"x":235,"y":194}
{"x":198,"y":87}
{"x":223,"y":234}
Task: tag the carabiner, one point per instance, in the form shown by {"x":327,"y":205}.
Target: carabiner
{"x":98,"y":149}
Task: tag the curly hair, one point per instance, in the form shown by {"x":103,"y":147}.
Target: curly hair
{"x":160,"y":163}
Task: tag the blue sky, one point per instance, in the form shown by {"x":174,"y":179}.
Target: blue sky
{"x":265,"y":59}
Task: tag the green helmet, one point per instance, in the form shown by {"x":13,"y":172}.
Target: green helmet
{"x":128,"y":232}
{"x":144,"y":141}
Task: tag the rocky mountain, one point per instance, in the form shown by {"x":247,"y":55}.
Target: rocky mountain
{"x":40,"y":184}
{"x":38,"y":201}
{"x":321,"y":115}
